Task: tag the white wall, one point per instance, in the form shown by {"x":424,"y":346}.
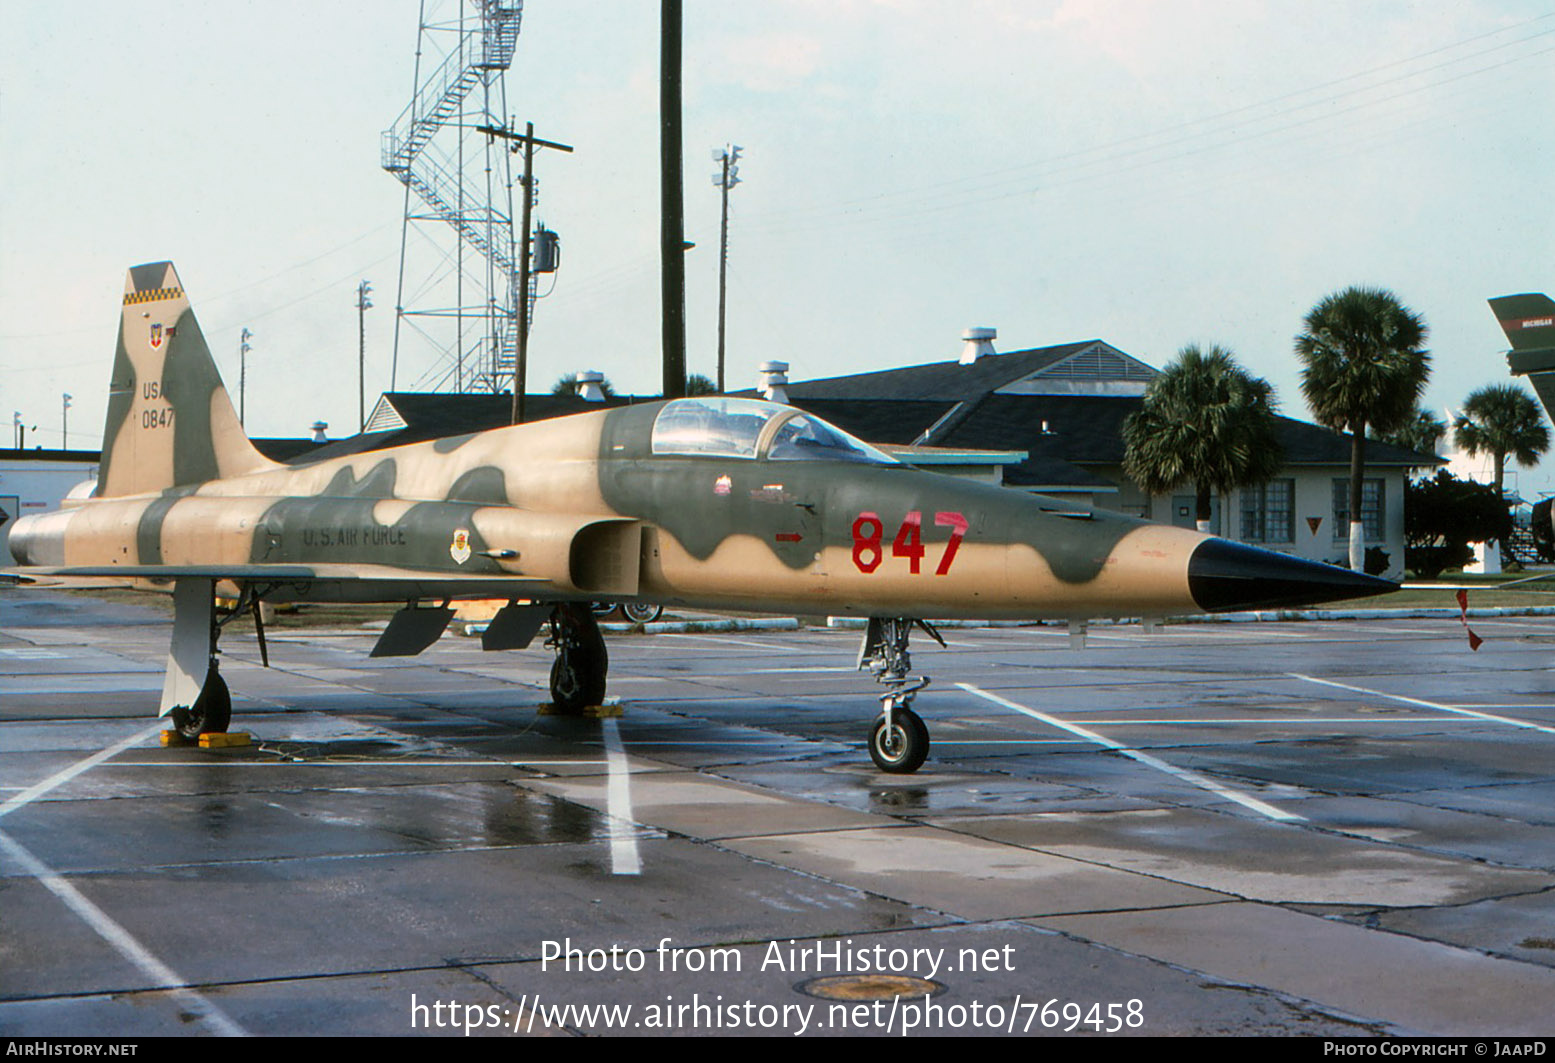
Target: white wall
{"x":37,"y":485}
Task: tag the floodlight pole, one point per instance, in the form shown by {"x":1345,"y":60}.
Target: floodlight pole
{"x":64,"y":422}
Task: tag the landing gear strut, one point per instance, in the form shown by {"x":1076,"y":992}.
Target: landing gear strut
{"x":578,"y":676}
{"x":899,"y":741}
{"x":194,"y":694}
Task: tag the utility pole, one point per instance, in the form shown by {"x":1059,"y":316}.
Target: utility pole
{"x":363,"y":304}
{"x":521,"y":303}
{"x":728,"y":176}
{"x":243,"y":349}
{"x":672,"y":222}
{"x":64,"y":423}
{"x":529,"y":142}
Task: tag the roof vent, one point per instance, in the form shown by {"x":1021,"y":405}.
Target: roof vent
{"x":978,"y":342}
{"x":318,"y":427}
{"x":772,"y":381}
{"x":588,"y":385}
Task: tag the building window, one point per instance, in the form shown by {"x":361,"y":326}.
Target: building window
{"x":1371,"y":508}
{"x":1268,"y":512}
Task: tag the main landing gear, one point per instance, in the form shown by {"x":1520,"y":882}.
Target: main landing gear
{"x":211,"y":711}
{"x":194,"y":695}
{"x":899,"y":741}
{"x":578,"y":676}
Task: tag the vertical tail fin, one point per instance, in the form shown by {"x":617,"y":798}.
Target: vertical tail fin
{"x":1528,"y":321}
{"x":170,"y":420}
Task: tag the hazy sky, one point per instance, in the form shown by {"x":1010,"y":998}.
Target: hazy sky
{"x":1152,"y":174}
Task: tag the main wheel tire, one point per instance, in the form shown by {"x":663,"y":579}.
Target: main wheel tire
{"x":579,"y":672}
{"x":210,"y":713}
{"x":641,"y":612}
{"x":901,"y":748}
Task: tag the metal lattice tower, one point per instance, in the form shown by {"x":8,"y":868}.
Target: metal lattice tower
{"x":457,"y":302}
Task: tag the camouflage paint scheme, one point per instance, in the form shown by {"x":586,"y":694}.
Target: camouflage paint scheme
{"x":715,"y":502}
{"x":575,"y":508}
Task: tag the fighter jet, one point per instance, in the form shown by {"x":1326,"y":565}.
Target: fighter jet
{"x":711,"y":502}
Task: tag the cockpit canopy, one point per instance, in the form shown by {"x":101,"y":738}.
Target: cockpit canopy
{"x":714,"y":426}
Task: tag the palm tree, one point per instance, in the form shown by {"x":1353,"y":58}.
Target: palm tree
{"x":1205,"y":421}
{"x":1364,"y":365}
{"x":1504,"y":421}
{"x":697,"y":384}
{"x":1422,"y":433}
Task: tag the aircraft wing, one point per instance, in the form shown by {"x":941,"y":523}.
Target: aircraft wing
{"x":306,"y":582}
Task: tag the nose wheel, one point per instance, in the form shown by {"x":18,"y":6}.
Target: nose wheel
{"x":899,"y":742}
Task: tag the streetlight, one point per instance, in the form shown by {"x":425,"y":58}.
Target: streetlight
{"x":21,"y":429}
{"x":363,"y":304}
{"x":727,"y":177}
{"x":64,"y":423}
{"x":243,"y":349}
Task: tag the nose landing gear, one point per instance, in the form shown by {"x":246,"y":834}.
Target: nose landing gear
{"x":899,"y":741}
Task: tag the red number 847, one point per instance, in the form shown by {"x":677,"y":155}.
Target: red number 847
{"x":869,"y":531}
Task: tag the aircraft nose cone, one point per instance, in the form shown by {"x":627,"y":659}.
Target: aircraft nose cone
{"x":1223,"y":575}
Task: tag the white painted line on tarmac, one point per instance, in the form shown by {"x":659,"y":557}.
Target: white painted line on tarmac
{"x":705,"y":742}
{"x":59,"y":778}
{"x":624,"y":859}
{"x":723,"y":641}
{"x":1458,"y":709}
{"x":1194,"y":778}
{"x":348,"y":762}
{"x":1146,"y":721}
{"x":123,"y":942}
{"x":1002,"y":742}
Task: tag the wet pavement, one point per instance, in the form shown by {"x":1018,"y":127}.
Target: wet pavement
{"x":1312,"y":828}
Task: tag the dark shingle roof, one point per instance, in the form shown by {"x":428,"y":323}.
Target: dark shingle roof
{"x":1088,"y":429}
{"x":437,"y":415}
{"x":939,"y":380}
{"x":1044,"y":471}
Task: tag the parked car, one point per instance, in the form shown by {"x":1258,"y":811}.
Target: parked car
{"x":631,"y":612}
